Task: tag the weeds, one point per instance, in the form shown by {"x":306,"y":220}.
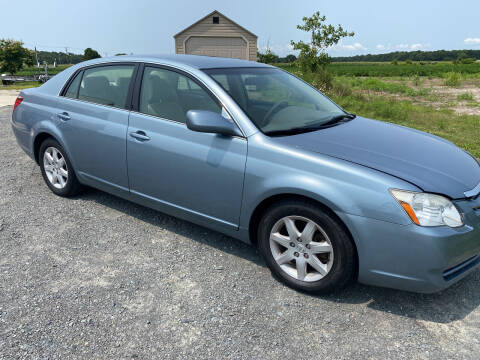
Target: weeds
{"x":465,"y":96}
{"x":375,"y":84}
{"x":452,"y":79}
{"x":417,"y":81}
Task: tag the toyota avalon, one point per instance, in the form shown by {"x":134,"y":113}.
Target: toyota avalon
{"x":253,"y":152}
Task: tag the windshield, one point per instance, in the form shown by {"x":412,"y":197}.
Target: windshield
{"x":276,"y":101}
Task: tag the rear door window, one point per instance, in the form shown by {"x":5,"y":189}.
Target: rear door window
{"x":72,"y":91}
{"x":106,"y":85}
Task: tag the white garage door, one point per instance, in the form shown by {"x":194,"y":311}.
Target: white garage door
{"x":231,"y":47}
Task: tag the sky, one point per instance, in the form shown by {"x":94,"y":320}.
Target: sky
{"x":148,"y":26}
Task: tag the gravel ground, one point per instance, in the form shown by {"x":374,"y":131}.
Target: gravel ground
{"x":97,"y":277}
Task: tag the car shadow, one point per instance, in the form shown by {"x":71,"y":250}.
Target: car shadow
{"x":180,"y":227}
{"x":452,"y":304}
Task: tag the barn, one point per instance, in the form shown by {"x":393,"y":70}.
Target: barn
{"x":217,"y":35}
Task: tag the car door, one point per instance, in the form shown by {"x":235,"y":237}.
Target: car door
{"x":198,"y":176}
{"x":93,"y":121}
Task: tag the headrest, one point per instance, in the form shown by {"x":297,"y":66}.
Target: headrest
{"x":96,"y":84}
{"x":161,"y":90}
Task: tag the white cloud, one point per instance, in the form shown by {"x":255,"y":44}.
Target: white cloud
{"x":380,"y":47}
{"x":472,"y":41}
{"x":402,"y":46}
{"x":416,"y":46}
{"x":355,"y":46}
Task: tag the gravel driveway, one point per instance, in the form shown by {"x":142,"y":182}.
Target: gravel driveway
{"x":98,"y":277}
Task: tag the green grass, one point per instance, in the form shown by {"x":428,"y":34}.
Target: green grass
{"x":378,"y":85}
{"x":33,"y":70}
{"x":20,"y":85}
{"x":452,"y":79}
{"x":465,"y":96}
{"x":371,"y":69}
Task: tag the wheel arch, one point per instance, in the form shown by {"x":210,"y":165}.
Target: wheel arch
{"x":267,"y":202}
{"x":37,"y":142}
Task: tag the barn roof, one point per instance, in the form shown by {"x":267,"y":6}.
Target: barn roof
{"x":211,"y":14}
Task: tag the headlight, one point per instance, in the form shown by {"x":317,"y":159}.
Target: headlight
{"x":428,"y":209}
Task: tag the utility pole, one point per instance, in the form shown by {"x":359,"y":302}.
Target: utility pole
{"x":36,"y":58}
{"x":66,"y":54}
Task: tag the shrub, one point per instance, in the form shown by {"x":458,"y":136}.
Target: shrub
{"x":452,"y":79}
{"x":321,"y":79}
{"x":341,"y":88}
{"x":395,"y":62}
{"x":416,"y":80}
{"x":465,"y":96}
{"x":467,"y":61}
{"x":409,"y":62}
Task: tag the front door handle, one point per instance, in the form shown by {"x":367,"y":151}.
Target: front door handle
{"x":140,"y":135}
{"x":64,"y":116}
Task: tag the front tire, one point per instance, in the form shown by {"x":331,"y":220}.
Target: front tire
{"x":306,"y":247}
{"x":57,"y":170}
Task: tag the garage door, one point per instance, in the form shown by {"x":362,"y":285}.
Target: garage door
{"x":231,"y":47}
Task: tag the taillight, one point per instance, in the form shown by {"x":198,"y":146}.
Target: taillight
{"x":17,"y":102}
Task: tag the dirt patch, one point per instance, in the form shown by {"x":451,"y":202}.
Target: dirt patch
{"x":440,"y":96}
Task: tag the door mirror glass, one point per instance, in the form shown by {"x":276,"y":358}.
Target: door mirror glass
{"x":211,"y":122}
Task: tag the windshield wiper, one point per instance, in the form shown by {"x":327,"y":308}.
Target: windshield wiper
{"x":293,"y":131}
{"x":338,"y":119}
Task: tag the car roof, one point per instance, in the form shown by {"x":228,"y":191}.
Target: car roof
{"x":195,"y":61}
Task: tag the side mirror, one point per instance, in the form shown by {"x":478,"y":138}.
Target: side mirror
{"x":211,"y":122}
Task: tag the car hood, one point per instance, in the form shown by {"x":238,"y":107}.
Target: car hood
{"x":431,"y":163}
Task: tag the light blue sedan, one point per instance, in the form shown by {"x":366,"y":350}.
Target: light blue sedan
{"x":256,"y":153}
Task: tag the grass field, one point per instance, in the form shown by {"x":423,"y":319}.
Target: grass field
{"x":438,"y":69}
{"x":33,"y":70}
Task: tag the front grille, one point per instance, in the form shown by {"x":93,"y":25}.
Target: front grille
{"x":459,"y":269}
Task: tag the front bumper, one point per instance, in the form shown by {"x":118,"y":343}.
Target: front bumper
{"x":415,"y":258}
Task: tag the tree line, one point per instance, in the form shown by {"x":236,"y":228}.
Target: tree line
{"x":14,"y":56}
{"x":419,"y":55}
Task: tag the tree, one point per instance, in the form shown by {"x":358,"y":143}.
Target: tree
{"x":290,"y":58}
{"x":314,"y":54}
{"x":268,"y":58}
{"x":13,"y":56}
{"x":89,"y":54}
{"x":30,"y":59}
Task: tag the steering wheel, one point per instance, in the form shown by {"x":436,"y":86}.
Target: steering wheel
{"x":279,"y":105}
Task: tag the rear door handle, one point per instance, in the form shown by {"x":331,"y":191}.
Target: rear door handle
{"x":140,"y":135}
{"x":64,"y":116}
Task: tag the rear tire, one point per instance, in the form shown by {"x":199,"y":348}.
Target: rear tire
{"x":57,"y":170}
{"x":306,"y":247}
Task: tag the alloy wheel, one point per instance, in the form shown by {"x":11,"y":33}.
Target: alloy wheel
{"x":301,"y":248}
{"x":55,"y":167}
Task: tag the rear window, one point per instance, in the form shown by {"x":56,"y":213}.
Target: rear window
{"x":105,"y":85}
